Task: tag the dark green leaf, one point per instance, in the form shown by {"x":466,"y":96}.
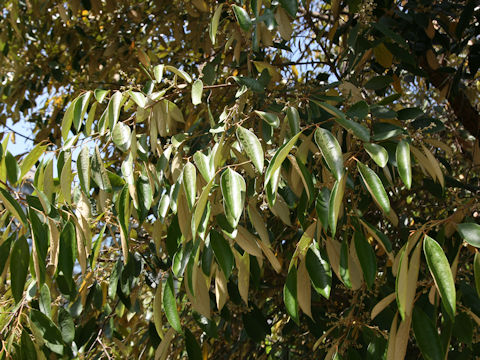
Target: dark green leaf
{"x":470,"y":232}
{"x":223,"y":253}
{"x":378,"y":82}
{"x":331,"y":151}
{"x":426,"y":336}
{"x":403,"y":162}
{"x":99,"y":174}
{"x":48,"y":330}
{"x":121,"y":136}
{"x":290,"y":294}
{"x":319,"y":270}
{"x":242,"y":17}
{"x":13,"y":170}
{"x":375,"y":187}
{"x":67,"y":326}
{"x":19,"y":267}
{"x":193,"y":348}
{"x":291,"y":6}
{"x":170,"y":305}
{"x":367,"y":258}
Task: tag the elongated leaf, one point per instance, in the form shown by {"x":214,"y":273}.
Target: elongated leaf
{"x":279,"y":157}
{"x":12,"y":206}
{"x":426,"y":336}
{"x":403,"y":162}
{"x":335,"y":202}
{"x":158,"y":73}
{"x":252,"y":147}
{"x":190,"y":183}
{"x":99,"y":174}
{"x":204,"y":165}
{"x":200,"y":208}
{"x":293,"y":120}
{"x":197,"y":89}
{"x":319,"y":270}
{"x":170,"y":305}
{"x":81,"y":105}
{"x":233,"y":190}
{"x":193,"y":348}
{"x":476,"y":271}
{"x":375,"y":187}
{"x":13,"y":170}
{"x":179,"y":72}
{"x":367,"y":258}
{"x":291,"y":6}
{"x":442,"y":274}
{"x":20,"y":258}
{"x":113,"y":109}
{"x":48,"y":330}
{"x":290,"y":294}
{"x":222,"y":252}
{"x":269,"y":118}
{"x":331,"y":151}
{"x":377,"y":153}
{"x":83,"y":168}
{"x":470,"y":232}
{"x":31,"y":158}
{"x":121,"y":136}
{"x":242,"y":17}
{"x":357,"y":129}
{"x":139,"y":98}
{"x":212,"y":30}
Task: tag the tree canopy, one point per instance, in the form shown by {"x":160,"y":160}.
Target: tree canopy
{"x":246,"y":179}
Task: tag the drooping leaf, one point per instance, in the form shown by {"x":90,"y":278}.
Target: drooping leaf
{"x":48,"y":330}
{"x":279,"y":157}
{"x":214,"y":23}
{"x":377,"y":153}
{"x":170,"y":305}
{"x":31,"y":158}
{"x":190,"y":183}
{"x":293,"y":120}
{"x":442,"y":274}
{"x":375,"y":187}
{"x":426,"y":336}
{"x":331,"y":151}
{"x":83,"y":168}
{"x":197,"y":89}
{"x":243,"y":18}
{"x":367,"y":258}
{"x":291,"y":6}
{"x":403,"y":162}
{"x":233,"y":190}
{"x":252,"y":147}
{"x":13,"y":170}
{"x":470,"y":232}
{"x":193,"y":348}
{"x":19,"y":267}
{"x":12,"y":206}
{"x":476,"y":271}
{"x":184,"y":75}
{"x":222,"y":252}
{"x":378,"y":82}
{"x":336,"y":198}
{"x":269,"y":118}
{"x":121,"y":136}
{"x":290,"y":294}
{"x":113,"y":108}
{"x":319,"y":271}
{"x":99,"y":174}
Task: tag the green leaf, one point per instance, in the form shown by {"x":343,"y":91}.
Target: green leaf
{"x":68,"y":119}
{"x":80,"y":108}
{"x":13,"y":170}
{"x":476,"y":271}
{"x":170,"y":305}
{"x":48,"y":330}
{"x":377,"y":153}
{"x":204,"y":165}
{"x":223,"y":253}
{"x":253,"y":84}
{"x":331,"y":151}
{"x":293,"y":120}
{"x":440,"y":270}
{"x":158,"y":73}
{"x":45,"y":301}
{"x":20,"y":258}
{"x":359,"y":110}
{"x":367,"y":258}
{"x":67,"y":252}
{"x":355,"y":128}
{"x":5,"y":251}
{"x":12,"y":206}
{"x":375,"y":187}
{"x":121,"y":136}
{"x":193,"y":348}
{"x":322,"y":205}
{"x":335,"y":202}
{"x":28,"y":347}
{"x":67,"y":326}
{"x":319,"y":270}
{"x":409,"y":113}
{"x":242,"y":17}
{"x":123,"y":209}
{"x":138,"y":98}
{"x":291,"y":6}
{"x":212,"y":30}
{"x":99,"y":174}
{"x":269,"y":118}
{"x":378,"y":82}
{"x":252,"y":147}
{"x":197,"y":89}
{"x":83,"y":168}
{"x":145,"y":197}
{"x":290,"y":294}
{"x":403,"y":162}
{"x":100,"y":94}
{"x":32,"y":157}
{"x":179,"y":72}
{"x":279,"y":157}
{"x":470,"y":232}
{"x":344,"y":270}
{"x":233,"y":190}
{"x":426,"y":336}
{"x":113,"y":109}
{"x":190,"y":183}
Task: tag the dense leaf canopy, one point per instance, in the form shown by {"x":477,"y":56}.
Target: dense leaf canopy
{"x":244,"y":179}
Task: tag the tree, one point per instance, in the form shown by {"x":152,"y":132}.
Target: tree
{"x":263,"y":179}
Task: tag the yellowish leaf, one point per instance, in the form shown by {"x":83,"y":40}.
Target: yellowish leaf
{"x":247,"y":241}
{"x":221,"y":291}
{"x":382,"y":304}
{"x":304,"y":289}
{"x":383,"y":56}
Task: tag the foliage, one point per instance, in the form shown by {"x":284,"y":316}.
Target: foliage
{"x":263,"y":179}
